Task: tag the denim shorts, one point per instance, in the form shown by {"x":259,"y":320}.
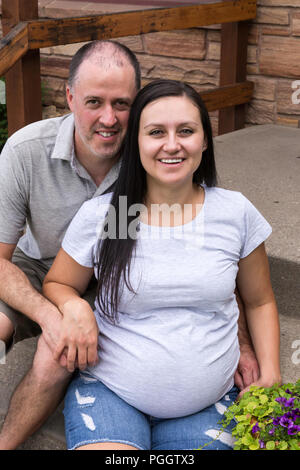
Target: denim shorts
{"x":93,"y":414}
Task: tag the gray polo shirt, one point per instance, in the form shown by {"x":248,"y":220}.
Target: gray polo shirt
{"x":42,"y":186}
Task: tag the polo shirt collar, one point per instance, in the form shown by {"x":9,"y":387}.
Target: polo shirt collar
{"x":64,"y":144}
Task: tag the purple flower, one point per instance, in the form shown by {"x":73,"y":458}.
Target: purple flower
{"x":276,"y":421}
{"x":262,"y":445}
{"x":285,"y":421}
{"x":286,"y":402}
{"x":281,"y":400}
{"x":293,"y":429}
{"x":255,"y":428}
{"x":271,"y":432}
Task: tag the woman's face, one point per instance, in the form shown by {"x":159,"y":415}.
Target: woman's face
{"x":171,"y":140}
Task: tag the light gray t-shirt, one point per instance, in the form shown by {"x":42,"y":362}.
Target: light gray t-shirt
{"x":42,"y":186}
{"x":174,"y":350}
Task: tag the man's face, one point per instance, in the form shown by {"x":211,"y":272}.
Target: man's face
{"x":100,"y":100}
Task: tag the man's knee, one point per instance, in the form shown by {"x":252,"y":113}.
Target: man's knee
{"x":6,"y":329}
{"x":46,"y":371}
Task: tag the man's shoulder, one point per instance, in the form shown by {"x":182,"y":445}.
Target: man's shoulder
{"x":46,"y":129}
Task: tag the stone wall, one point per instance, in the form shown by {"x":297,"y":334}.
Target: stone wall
{"x":193,"y":56}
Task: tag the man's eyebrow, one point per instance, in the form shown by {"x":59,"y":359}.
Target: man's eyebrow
{"x":92,"y":97}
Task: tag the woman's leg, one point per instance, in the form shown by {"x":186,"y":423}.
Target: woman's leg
{"x":96,"y":418}
{"x":107,"y":446}
{"x":200,"y":430}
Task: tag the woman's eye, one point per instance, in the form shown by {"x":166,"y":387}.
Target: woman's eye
{"x":155,"y":132}
{"x":186,"y":131}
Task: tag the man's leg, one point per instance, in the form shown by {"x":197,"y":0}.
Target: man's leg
{"x":6,"y":329}
{"x":35,"y":398}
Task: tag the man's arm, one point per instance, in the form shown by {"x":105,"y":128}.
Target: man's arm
{"x":248,"y":369}
{"x":17,"y":291}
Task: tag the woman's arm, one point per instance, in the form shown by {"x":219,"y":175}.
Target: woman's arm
{"x":253,"y":281}
{"x":248,"y":369}
{"x":64,"y":284}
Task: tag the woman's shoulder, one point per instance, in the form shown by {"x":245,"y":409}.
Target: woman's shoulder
{"x":97,"y":203}
{"x":227,"y":196}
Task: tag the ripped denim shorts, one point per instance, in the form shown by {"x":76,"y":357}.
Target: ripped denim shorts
{"x":94,"y":414}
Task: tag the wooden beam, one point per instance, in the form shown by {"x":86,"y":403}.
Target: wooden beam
{"x":23,"y":82}
{"x":12,"y":47}
{"x":47,"y":33}
{"x":233,"y":65}
{"x":228,"y":96}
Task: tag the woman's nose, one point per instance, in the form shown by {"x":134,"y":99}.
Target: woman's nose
{"x":172,"y":144}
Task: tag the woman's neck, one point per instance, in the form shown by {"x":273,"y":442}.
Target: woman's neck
{"x":172,"y":206}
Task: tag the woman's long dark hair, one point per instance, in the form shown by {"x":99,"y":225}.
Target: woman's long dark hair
{"x":114,"y":254}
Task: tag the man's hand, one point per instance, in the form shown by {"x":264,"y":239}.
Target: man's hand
{"x":248,"y":369}
{"x":78,"y":335}
{"x":51,"y":327}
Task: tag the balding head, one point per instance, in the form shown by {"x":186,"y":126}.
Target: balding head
{"x":105,"y":54}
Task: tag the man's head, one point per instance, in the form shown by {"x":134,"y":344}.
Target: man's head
{"x":103,"y":81}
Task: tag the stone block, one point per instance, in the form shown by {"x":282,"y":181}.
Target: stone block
{"x":189,"y":44}
{"x":260,"y":112}
{"x":135,"y":43}
{"x":296,"y":23}
{"x":288,"y":97}
{"x":276,"y":30}
{"x":288,"y":121}
{"x":278,"y":3}
{"x":54,"y":92}
{"x":264,"y":88}
{"x":272,"y":16}
{"x":192,"y":71}
{"x":280,"y":56}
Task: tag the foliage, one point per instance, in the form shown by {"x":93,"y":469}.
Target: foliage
{"x":267,"y":418}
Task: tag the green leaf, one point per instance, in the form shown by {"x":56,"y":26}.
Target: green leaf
{"x":270,"y":445}
{"x":264,"y":399}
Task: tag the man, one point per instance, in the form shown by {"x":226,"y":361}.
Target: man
{"x":48,"y":169}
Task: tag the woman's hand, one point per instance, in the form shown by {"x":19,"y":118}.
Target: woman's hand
{"x":79,"y":335}
{"x":265,"y":382}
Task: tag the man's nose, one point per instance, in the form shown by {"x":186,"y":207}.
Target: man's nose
{"x":108,"y":116}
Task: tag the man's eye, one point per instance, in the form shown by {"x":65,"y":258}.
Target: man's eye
{"x":122,"y":105}
{"x":92,"y":102}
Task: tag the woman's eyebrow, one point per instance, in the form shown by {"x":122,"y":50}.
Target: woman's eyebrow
{"x":159,"y":124}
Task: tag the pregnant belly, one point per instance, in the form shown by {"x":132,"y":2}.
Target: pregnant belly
{"x":168,"y":382}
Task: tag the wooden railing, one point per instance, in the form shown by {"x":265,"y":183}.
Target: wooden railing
{"x":25,"y":35}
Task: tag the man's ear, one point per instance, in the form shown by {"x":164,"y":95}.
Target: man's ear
{"x":69,"y":96}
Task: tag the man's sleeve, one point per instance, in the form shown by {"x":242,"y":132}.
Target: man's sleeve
{"x":13,"y":196}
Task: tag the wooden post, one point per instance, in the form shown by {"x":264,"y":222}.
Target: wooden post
{"x":234,"y":37}
{"x":23,"y":81}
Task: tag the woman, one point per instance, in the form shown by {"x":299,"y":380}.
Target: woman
{"x":166,"y":309}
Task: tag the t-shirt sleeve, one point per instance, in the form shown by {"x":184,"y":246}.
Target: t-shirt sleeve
{"x":13,"y":196}
{"x":256,"y":229}
{"x":81,"y":236}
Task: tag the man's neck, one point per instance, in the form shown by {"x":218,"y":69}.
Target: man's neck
{"x":96,"y":167}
